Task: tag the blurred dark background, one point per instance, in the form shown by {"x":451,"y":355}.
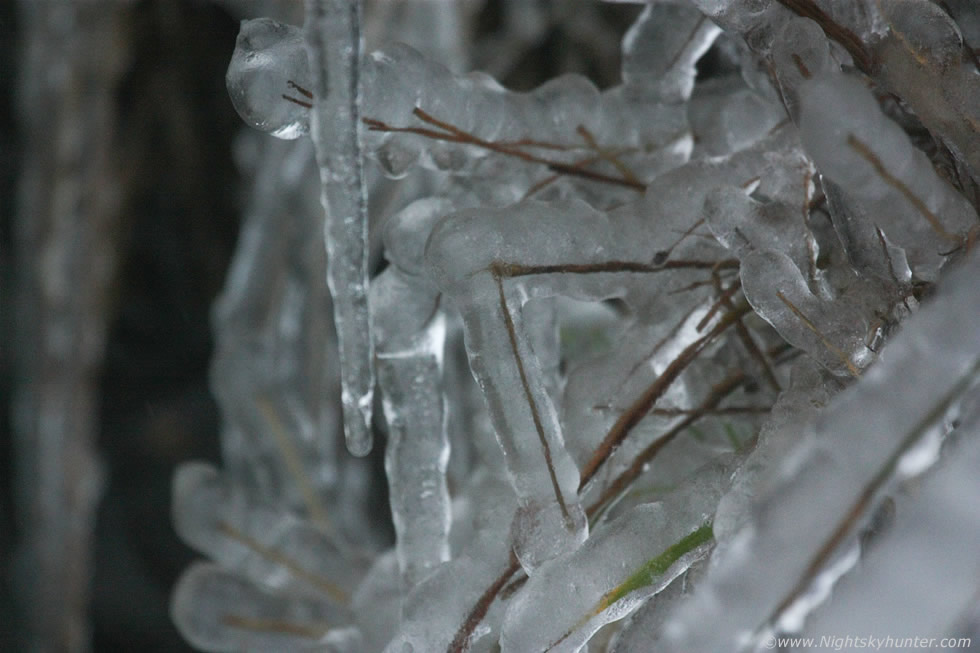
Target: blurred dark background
{"x":162,"y":135}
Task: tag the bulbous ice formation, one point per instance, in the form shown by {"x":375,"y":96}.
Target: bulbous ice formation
{"x":268,"y":66}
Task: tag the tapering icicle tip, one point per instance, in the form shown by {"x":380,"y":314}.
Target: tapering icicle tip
{"x":357,"y":424}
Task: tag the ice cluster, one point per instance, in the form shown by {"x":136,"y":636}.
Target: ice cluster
{"x":657,"y":365}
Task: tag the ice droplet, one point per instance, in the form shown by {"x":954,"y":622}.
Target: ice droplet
{"x":269,"y":63}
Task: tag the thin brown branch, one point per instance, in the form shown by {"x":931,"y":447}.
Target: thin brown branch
{"x":510,"y":270}
{"x":900,"y":186}
{"x":453,"y":134}
{"x":305,"y":105}
{"x":745,"y":336}
{"x":727,"y":410}
{"x":293,"y":462}
{"x":299,"y":89}
{"x":804,"y":71}
{"x":844,"y":36}
{"x":535,"y":416}
{"x":623,"y":481}
{"x":279,"y":626}
{"x":461,"y":641}
{"x":723,"y":297}
{"x":607,"y":155}
{"x":328,"y":588}
{"x":642,"y":406}
{"x":834,"y":349}
{"x":581,"y":163}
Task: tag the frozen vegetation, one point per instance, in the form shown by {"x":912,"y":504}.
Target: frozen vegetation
{"x":682,"y":364}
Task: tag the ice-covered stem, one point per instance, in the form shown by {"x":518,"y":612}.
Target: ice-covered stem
{"x":932,"y":544}
{"x":219,"y":611}
{"x":333,"y":41}
{"x":66,"y":234}
{"x":883,"y":180}
{"x":621,"y":564}
{"x":834,"y":478}
{"x":642,"y":406}
{"x":273,"y":371}
{"x":256,"y":539}
{"x":448,"y":132}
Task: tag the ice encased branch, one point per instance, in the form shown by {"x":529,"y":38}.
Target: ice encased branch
{"x":833,"y":479}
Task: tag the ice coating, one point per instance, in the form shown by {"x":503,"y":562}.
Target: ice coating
{"x":810,"y":390}
{"x":643,"y":629}
{"x":274,"y":372}
{"x":436,"y":607}
{"x":885,"y":178}
{"x":924,"y":59}
{"x":710,"y":214}
{"x":218,"y":611}
{"x":621,"y":564}
{"x":833,"y":332}
{"x":662,"y":46}
{"x":933,"y":542}
{"x":270,"y":62}
{"x":333,"y":40}
{"x":829,"y":483}
{"x":491,"y":262}
{"x":801,"y":52}
{"x":255,"y":540}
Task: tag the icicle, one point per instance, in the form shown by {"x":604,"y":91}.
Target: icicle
{"x":409,"y":363}
{"x":410,"y":335}
{"x":333,"y":39}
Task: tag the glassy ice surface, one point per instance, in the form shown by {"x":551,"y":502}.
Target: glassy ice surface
{"x":269,"y":63}
{"x":851,"y":453}
{"x":710,"y":313}
{"x":333,"y":43}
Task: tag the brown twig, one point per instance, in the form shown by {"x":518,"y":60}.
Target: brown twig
{"x":844,"y":36}
{"x":460,"y":642}
{"x":809,"y":324}
{"x":279,"y":626}
{"x":865,"y":152}
{"x":453,"y":134}
{"x":535,"y":416}
{"x":639,"y":409}
{"x":743,"y":333}
{"x":607,"y":155}
{"x":619,"y":485}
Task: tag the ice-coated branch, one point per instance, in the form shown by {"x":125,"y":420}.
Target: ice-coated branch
{"x":623,"y":563}
{"x":333,"y":40}
{"x":832,"y":481}
{"x":932,"y":548}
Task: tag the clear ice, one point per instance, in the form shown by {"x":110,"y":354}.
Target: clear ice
{"x":654,"y":360}
{"x":333,"y":41}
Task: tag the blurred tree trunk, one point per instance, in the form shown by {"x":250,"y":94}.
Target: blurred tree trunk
{"x":67,"y":235}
